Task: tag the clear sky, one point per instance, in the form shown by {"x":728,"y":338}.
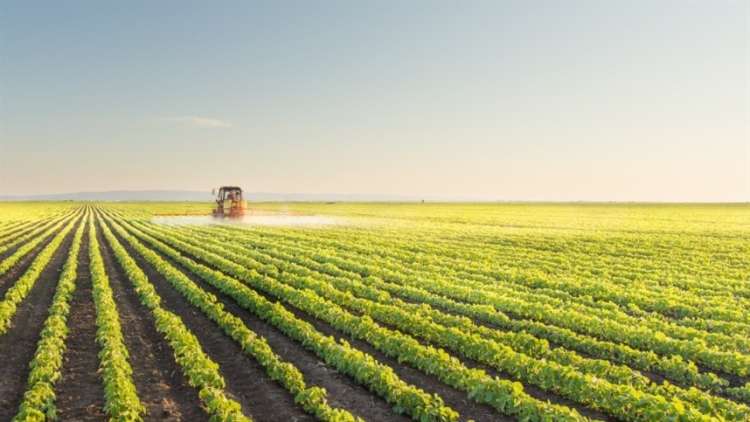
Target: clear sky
{"x":529,"y":100}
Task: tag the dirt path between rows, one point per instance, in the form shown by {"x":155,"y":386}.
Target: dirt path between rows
{"x":14,"y":233}
{"x":18,"y":345}
{"x":159,"y":381}
{"x":456,"y":399}
{"x":530,"y":389}
{"x":80,"y":394}
{"x":246,"y":380}
{"x":7,"y":279}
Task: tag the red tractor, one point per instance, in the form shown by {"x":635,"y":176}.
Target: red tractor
{"x":229,"y":202}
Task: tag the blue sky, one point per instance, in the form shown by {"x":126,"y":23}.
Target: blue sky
{"x":530,"y":100}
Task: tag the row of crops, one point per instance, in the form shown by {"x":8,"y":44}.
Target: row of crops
{"x":440,"y":312}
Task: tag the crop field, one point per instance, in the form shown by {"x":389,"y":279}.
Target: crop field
{"x":377,"y":312}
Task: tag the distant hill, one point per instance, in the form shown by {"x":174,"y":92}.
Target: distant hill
{"x":119,"y":195}
{"x":186,"y":195}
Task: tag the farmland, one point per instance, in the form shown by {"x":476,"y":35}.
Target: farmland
{"x":430,"y":312}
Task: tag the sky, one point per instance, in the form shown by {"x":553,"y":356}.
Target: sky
{"x":497,"y":100}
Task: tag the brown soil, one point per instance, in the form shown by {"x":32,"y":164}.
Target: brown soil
{"x":246,"y":380}
{"x":14,"y":233}
{"x":456,"y":399}
{"x":653,"y":376}
{"x":343,"y":392}
{"x":7,"y":279}
{"x":18,"y":345}
{"x":79,"y":391}
{"x":530,"y":389}
{"x":158,"y":379}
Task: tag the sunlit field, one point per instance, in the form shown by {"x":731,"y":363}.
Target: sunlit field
{"x":375,"y":311}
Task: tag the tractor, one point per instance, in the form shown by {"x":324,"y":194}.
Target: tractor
{"x":229,"y":202}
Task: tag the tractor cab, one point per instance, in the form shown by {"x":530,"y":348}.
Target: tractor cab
{"x":229,"y":202}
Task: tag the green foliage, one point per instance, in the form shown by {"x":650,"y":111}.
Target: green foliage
{"x":201,"y":372}
{"x":641,"y":312}
{"x":312,"y":399}
{"x":460,"y":335}
{"x":121,"y":401}
{"x":39,"y":399}
{"x":363,"y":368}
{"x":21,"y":288}
{"x":503,"y":395}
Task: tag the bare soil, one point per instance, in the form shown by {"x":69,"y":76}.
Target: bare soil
{"x":456,"y":399}
{"x":159,"y":380}
{"x":18,"y":345}
{"x":7,"y":279}
{"x":161,"y":386}
{"x":530,"y":389}
{"x":79,"y":391}
{"x":247,"y":382}
{"x":16,"y":231}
